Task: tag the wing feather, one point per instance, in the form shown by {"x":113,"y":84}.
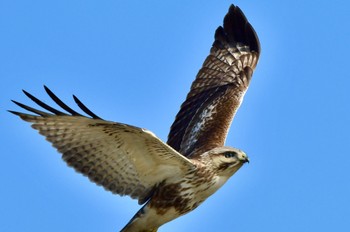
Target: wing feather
{"x":218,"y":90}
{"x":124,"y":159}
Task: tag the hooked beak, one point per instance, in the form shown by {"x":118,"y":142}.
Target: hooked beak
{"x":246,"y":160}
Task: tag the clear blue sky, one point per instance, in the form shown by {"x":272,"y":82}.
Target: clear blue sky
{"x":133,"y":62}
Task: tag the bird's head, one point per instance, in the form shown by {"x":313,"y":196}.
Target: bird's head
{"x":226,"y":160}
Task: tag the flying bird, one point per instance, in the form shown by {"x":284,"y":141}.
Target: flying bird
{"x":168,"y":179}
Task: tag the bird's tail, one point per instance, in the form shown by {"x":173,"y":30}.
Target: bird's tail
{"x":130,"y":227}
{"x":125,"y":229}
{"x":137,"y":224}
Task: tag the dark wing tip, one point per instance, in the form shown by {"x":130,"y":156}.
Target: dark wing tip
{"x":237,"y":29}
{"x":38,"y":112}
{"x":14,"y":112}
{"x":61,"y":103}
{"x":84,"y":108}
{"x":58,"y":101}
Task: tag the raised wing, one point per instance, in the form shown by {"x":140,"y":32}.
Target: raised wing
{"x":218,"y":90}
{"x":123,"y":159}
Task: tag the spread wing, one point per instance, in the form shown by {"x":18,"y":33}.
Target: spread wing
{"x":218,"y":90}
{"x":123,"y":159}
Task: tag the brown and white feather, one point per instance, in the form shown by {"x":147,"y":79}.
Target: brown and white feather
{"x":124,"y":159}
{"x":218,"y":90}
{"x":174,"y":178}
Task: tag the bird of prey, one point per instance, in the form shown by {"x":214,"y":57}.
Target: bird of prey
{"x":168,"y":179}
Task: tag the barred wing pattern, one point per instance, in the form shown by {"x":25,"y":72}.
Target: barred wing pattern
{"x":218,"y":90}
{"x":124,"y":159}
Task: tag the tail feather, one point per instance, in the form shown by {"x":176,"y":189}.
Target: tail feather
{"x":135,"y":225}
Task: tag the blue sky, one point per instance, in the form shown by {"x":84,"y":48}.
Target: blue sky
{"x":133,"y":62}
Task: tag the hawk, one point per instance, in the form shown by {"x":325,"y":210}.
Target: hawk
{"x":168,"y":179}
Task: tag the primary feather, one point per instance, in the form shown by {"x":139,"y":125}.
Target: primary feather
{"x":169,"y":179}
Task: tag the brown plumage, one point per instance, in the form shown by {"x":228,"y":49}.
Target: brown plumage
{"x":218,"y":89}
{"x":169,"y":179}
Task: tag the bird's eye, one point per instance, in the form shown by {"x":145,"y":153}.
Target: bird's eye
{"x":230,"y":154}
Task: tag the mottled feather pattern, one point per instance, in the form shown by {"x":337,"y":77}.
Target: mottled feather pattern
{"x":101,"y":150}
{"x":169,"y":179}
{"x":184,"y":195}
{"x":218,"y":89}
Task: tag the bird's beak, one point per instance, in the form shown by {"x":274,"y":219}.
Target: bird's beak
{"x":246,"y":160}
